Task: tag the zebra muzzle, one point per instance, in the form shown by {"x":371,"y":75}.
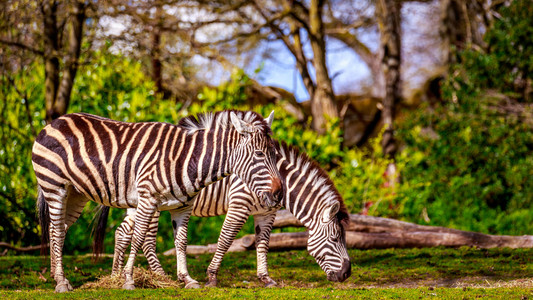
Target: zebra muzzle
{"x":342,"y":274}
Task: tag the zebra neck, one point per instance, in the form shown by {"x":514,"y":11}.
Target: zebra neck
{"x":308,"y":191}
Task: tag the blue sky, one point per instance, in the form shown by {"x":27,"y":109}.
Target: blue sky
{"x":349,"y":72}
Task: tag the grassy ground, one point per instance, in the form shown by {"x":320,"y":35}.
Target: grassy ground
{"x":391,"y":273}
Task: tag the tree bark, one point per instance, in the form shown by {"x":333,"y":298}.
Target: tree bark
{"x":388,"y":13}
{"x":157,"y":65}
{"x":75,"y":36}
{"x":58,"y":88}
{"x":323,"y":101}
{"x":378,"y":240}
{"x":51,"y":53}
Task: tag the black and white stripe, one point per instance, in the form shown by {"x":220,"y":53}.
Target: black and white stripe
{"x":309,"y":195}
{"x":148,"y":166}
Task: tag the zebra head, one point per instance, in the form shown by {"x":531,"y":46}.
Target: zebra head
{"x":327,"y":243}
{"x":254,"y":158}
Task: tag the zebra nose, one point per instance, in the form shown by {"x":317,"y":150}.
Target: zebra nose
{"x":277,"y":190}
{"x":345,"y":271}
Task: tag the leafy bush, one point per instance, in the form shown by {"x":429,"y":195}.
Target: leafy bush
{"x":19,"y":124}
{"x":508,"y":63}
{"x":473,"y":172}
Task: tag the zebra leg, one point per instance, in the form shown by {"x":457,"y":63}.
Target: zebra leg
{"x":150,"y":245}
{"x":263,"y":228}
{"x":180,"y":220}
{"x":66,"y":206}
{"x":122,"y":240}
{"x":143,"y":217}
{"x":235,"y":219}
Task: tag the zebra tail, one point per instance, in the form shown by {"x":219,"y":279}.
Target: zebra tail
{"x":44,"y":220}
{"x":98,"y":231}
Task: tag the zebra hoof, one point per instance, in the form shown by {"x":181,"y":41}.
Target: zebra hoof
{"x":64,"y":287}
{"x":192,"y":285}
{"x":211,"y":283}
{"x":128,"y":286}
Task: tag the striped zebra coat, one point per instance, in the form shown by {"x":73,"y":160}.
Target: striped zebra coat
{"x":148,"y":166}
{"x":310,"y":195}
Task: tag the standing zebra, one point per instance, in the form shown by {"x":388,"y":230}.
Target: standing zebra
{"x":147,"y":166}
{"x":310,"y":195}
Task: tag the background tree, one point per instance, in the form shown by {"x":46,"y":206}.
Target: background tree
{"x":388,"y":14}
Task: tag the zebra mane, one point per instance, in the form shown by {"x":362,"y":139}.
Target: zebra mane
{"x":208,"y":120}
{"x":318,"y":176}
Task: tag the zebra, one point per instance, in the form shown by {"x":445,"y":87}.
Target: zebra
{"x":310,"y":195}
{"x":150,"y":166}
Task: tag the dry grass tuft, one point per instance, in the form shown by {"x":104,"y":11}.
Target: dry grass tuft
{"x":143,"y":278}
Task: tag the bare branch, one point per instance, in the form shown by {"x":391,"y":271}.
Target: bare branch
{"x":21,"y":46}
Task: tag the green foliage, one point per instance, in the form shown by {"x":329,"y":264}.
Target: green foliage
{"x":361,"y":179}
{"x":473,"y":172}
{"x":508,"y":63}
{"x":117,"y":87}
{"x":22,"y":96}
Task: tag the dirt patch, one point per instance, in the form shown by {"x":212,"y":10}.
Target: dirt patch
{"x":463,"y":282}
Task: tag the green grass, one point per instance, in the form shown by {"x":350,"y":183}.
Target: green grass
{"x":391,"y":273}
{"x":284,"y":293}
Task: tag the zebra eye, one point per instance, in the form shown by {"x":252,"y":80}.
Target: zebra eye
{"x":259,"y":153}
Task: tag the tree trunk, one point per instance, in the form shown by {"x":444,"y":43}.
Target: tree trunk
{"x":323,"y":101}
{"x":75,"y":36}
{"x":58,"y":89}
{"x":51,"y":52}
{"x":388,"y":12}
{"x":157,"y":66}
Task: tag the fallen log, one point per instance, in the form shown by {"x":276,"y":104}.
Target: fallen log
{"x":382,"y":240}
{"x":362,"y":223}
{"x":420,"y":239}
{"x":21,"y":249}
{"x":367,"y":232}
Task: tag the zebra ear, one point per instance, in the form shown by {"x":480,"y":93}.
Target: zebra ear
{"x":270,"y":119}
{"x":330,"y":212}
{"x":241,"y":126}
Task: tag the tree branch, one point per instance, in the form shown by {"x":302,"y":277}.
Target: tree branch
{"x":21,"y":46}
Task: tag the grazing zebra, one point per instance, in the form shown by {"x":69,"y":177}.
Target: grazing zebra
{"x":310,"y":195}
{"x":148,"y":166}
